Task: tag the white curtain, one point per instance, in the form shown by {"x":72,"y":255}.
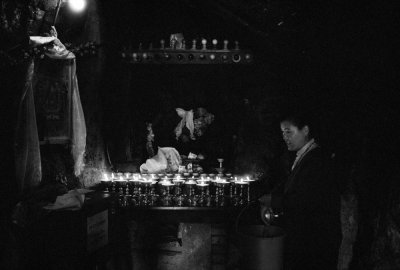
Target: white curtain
{"x":78,"y":139}
{"x":27,"y":147}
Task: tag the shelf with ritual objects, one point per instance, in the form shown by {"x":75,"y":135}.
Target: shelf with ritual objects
{"x":22,"y":55}
{"x":178,"y":190}
{"x":180,"y":52}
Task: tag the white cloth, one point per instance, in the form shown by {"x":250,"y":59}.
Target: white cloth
{"x":28,"y":166}
{"x":78,"y":140}
{"x":39,"y":40}
{"x":187,"y":120}
{"x":74,"y":199}
{"x":167,"y":159}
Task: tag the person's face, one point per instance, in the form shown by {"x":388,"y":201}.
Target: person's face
{"x":294,"y":137}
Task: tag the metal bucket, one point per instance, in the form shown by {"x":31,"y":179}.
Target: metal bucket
{"x":261,"y":247}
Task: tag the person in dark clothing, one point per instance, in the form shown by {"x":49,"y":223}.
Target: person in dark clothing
{"x":309,"y":201}
{"x":203,"y":140}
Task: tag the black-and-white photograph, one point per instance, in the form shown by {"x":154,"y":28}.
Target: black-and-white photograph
{"x":199,"y":135}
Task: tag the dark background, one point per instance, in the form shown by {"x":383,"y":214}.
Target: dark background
{"x":335,"y":57}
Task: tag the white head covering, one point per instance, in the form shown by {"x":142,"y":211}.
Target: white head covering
{"x":187,"y":120}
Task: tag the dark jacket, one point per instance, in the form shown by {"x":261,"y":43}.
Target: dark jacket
{"x":310,"y":202}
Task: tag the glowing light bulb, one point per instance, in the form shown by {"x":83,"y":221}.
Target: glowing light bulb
{"x":77,"y":5}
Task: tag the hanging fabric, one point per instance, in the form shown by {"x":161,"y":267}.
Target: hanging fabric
{"x":78,"y":142}
{"x":27,"y":147}
{"x":58,"y":105}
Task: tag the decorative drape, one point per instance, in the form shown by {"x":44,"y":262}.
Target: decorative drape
{"x":27,"y":148}
{"x":59,"y":106}
{"x":78,"y":142}
{"x":54,"y":94}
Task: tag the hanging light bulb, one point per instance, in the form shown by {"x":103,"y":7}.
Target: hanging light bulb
{"x":74,"y":5}
{"x":77,"y":5}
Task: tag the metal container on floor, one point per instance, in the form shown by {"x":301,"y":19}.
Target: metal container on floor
{"x":261,"y":247}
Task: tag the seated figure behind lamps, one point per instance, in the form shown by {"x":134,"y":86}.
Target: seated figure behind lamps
{"x":187,"y":131}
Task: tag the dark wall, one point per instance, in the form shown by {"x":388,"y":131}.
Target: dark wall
{"x":232,"y":93}
{"x":336,"y":57}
